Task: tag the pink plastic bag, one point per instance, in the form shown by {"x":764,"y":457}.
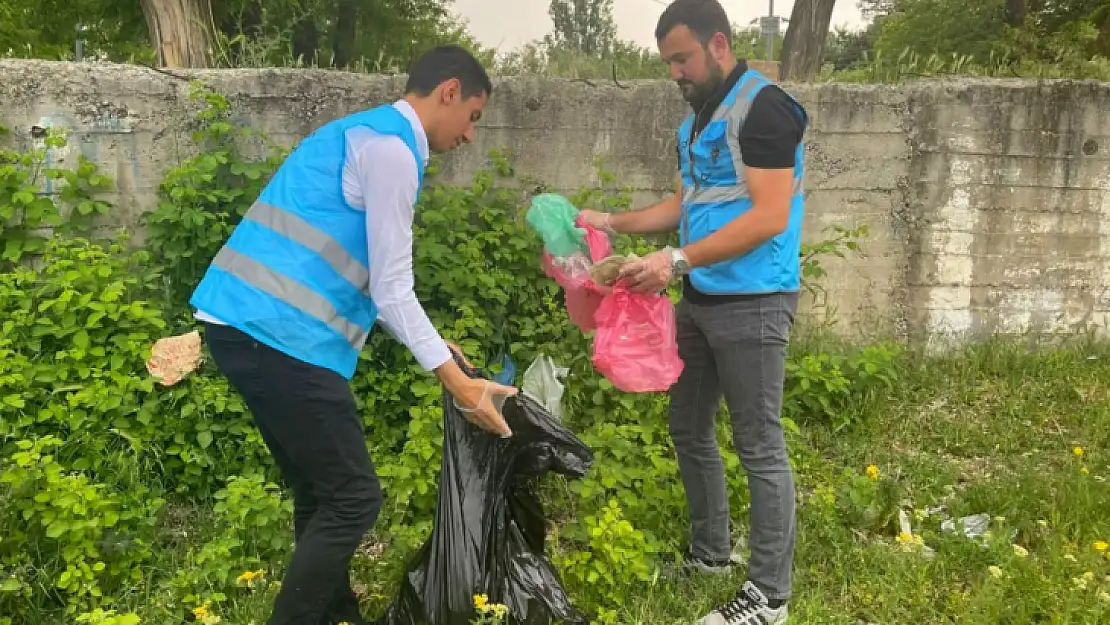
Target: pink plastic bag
{"x":583,"y":295}
{"x":636,"y":345}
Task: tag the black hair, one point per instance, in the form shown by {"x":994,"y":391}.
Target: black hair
{"x":443,"y":63}
{"x":704,"y":18}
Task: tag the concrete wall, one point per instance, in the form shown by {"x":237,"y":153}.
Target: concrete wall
{"x":988,"y":200}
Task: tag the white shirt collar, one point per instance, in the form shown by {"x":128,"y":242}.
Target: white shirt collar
{"x":418,"y":128}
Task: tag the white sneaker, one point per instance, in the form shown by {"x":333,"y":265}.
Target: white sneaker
{"x":748,"y":608}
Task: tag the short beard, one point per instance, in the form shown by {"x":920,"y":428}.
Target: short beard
{"x":705,"y":90}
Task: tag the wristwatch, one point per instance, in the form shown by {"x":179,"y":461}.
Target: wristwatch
{"x":680,"y":266}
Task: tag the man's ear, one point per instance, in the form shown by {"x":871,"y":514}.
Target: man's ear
{"x":719,"y":46}
{"x":450,"y":91}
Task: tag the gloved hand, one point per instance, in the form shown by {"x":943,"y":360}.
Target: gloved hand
{"x":596,"y":219}
{"x":480,"y":402}
{"x":649,"y":274}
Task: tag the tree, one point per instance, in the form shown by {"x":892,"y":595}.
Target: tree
{"x":181,"y":31}
{"x":805,"y":39}
{"x":583,"y":25}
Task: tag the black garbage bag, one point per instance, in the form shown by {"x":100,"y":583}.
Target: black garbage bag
{"x":489,"y":530}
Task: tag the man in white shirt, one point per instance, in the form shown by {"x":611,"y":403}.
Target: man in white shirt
{"x":323,"y":254}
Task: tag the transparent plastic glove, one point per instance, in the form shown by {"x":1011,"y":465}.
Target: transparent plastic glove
{"x":481,"y":402}
{"x":596,"y":219}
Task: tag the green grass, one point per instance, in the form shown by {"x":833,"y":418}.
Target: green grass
{"x":991,"y":430}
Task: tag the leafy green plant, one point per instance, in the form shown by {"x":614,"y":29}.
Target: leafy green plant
{"x":28,"y":208}
{"x":616,"y":556}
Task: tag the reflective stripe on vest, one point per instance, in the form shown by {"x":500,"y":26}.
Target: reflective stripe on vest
{"x":289,"y":291}
{"x":296,"y":229}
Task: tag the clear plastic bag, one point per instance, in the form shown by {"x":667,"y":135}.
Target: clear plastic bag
{"x":636,"y":345}
{"x":542,"y":383}
{"x":583,"y":295}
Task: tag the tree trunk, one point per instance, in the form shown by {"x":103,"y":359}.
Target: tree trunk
{"x":181,"y":31}
{"x":306,"y":38}
{"x":1015,"y":13}
{"x":805,"y":38}
{"x":346,"y":16}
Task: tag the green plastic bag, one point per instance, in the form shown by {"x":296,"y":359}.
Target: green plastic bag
{"x":552,"y":217}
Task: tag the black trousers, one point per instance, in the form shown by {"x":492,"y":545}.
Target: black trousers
{"x":307,"y":416}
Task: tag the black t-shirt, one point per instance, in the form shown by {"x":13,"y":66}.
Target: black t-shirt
{"x":769,"y":138}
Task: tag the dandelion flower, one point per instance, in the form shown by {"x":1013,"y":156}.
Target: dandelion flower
{"x":249,"y":576}
{"x":1078,"y":451}
{"x":995,"y":571}
{"x":872,"y":471}
{"x":1020,"y":551}
{"x":1101,"y":545}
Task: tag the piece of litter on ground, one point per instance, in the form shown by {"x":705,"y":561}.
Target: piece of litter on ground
{"x":973,"y":526}
{"x":906,"y":536}
{"x":174,"y":357}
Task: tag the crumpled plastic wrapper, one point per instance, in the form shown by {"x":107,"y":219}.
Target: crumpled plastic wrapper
{"x":606,"y":271}
{"x":174,"y":357}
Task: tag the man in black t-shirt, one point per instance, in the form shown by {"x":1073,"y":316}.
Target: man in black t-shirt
{"x":738,"y":206}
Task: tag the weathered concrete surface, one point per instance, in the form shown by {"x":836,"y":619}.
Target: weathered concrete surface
{"x":988,"y":201}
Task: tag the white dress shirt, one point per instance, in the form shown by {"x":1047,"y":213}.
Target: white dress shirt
{"x":380,"y":178}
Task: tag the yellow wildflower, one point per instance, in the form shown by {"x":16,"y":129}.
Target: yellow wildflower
{"x":202,"y":614}
{"x":480,"y":602}
{"x":1084,"y":470}
{"x":1101,"y":545}
{"x":1078,"y":451}
{"x":250,"y":576}
{"x":1020,"y":551}
{"x":994,"y":571}
{"x":872,"y":471}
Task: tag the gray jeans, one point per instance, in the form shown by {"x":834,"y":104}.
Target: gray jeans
{"x":738,"y":350}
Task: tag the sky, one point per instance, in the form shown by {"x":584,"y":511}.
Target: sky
{"x":509,"y":24}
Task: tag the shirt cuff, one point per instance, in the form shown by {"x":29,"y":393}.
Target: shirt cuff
{"x":431,"y":354}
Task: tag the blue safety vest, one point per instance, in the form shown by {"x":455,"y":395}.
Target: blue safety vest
{"x":715,"y":192}
{"x":295,"y":273}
